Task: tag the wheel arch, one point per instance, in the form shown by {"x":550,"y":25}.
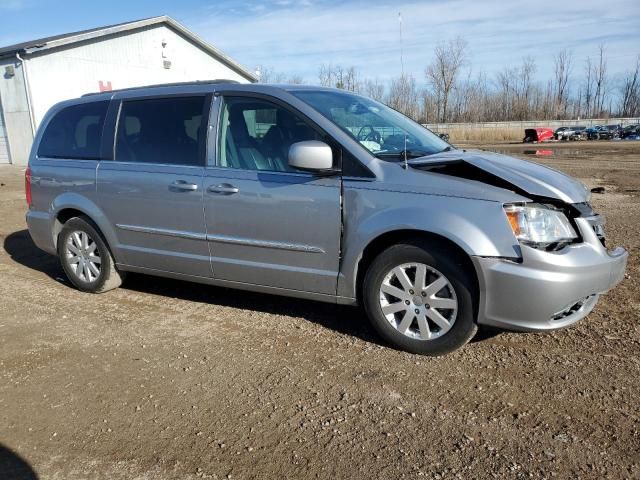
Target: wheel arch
{"x":73,"y":205}
{"x":385,"y":240}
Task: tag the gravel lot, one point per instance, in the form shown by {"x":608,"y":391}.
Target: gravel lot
{"x":164,"y":379}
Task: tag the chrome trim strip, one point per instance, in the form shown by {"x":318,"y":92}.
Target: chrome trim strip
{"x":264,"y":244}
{"x":222,"y":239}
{"x":164,"y":231}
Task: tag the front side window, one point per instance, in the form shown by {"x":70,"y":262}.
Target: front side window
{"x":75,"y":132}
{"x":256,"y":134}
{"x":161,"y":130}
{"x":383,"y":131}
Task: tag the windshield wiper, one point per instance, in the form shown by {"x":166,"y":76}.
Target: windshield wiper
{"x":403,"y":154}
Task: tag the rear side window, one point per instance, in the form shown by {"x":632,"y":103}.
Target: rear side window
{"x":75,"y":132}
{"x":162,"y":130}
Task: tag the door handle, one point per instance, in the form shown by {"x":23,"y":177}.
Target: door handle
{"x":183,"y":186}
{"x":223,"y":189}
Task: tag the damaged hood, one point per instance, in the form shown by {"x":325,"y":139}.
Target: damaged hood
{"x":523,"y":176}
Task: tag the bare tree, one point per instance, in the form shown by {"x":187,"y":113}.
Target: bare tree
{"x":588,"y":87}
{"x":443,"y":72}
{"x":403,"y":95}
{"x":630,"y":92}
{"x":340,"y":77}
{"x":269,"y":75}
{"x":523,"y":88}
{"x":562,"y":63}
{"x":325,"y":75}
{"x":456,"y":94}
{"x":374,"y":89}
{"x":295,"y":80}
{"x":600,"y":80}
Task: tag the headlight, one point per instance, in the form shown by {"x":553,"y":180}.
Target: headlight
{"x":538,"y":225}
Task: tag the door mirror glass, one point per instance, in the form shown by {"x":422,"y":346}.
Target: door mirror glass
{"x":311,"y":155}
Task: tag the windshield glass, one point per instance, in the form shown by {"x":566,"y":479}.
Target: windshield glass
{"x":378,"y":128}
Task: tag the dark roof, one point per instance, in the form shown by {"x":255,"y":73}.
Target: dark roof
{"x":11,"y":50}
{"x":42,"y":44}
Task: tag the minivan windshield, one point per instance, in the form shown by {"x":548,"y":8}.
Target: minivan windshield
{"x":383,"y":131}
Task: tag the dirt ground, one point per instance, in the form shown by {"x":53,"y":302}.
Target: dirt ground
{"x":165,"y":379}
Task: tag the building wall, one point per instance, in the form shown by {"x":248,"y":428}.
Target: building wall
{"x":4,"y":145}
{"x":121,"y":61}
{"x":127,"y":59}
{"x":15,"y":111}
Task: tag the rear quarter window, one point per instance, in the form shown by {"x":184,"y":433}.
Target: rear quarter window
{"x":75,"y":132}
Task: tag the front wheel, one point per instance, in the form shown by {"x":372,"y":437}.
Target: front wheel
{"x":420,"y":298}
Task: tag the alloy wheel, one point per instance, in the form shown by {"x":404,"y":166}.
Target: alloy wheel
{"x":418,"y":301}
{"x":82,"y":256}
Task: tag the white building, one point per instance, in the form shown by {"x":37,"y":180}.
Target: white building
{"x":37,"y":74}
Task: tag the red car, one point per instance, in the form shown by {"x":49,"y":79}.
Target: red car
{"x":534,"y":135}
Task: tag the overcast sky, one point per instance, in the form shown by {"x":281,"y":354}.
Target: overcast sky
{"x":296,"y":37}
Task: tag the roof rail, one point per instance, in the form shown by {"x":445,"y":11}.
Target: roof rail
{"x":159,"y":85}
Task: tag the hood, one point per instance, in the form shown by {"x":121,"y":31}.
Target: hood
{"x":503,"y":171}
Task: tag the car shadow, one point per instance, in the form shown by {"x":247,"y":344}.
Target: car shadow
{"x":343,"y":319}
{"x":14,"y":467}
{"x":22,"y":250}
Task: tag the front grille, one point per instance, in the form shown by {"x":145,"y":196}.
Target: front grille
{"x":597,"y":224}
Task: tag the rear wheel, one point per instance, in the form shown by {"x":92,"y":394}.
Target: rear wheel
{"x":420,"y":298}
{"x":85,"y":257}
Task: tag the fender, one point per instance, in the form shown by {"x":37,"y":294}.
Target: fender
{"x":90,"y":209}
{"x":480,"y":228}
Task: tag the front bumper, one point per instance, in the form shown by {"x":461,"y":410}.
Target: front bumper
{"x":548,"y":290}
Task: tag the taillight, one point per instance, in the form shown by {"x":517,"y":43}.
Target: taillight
{"x":27,"y":185}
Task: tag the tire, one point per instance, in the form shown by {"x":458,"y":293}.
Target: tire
{"x":381,"y":278}
{"x":78,"y":243}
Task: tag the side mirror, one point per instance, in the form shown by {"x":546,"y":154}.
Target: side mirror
{"x":311,"y":156}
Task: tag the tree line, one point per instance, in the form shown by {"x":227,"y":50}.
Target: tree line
{"x":453,"y":93}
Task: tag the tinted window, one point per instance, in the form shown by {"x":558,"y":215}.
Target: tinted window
{"x":256,"y":134}
{"x":161,"y":130}
{"x":75,"y":132}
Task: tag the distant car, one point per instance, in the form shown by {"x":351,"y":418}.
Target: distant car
{"x":535,"y":135}
{"x":567,"y":133}
{"x":577,"y":133}
{"x":615,"y":130}
{"x":559,"y":132}
{"x":630,"y":132}
{"x":599,"y":132}
{"x":443,"y":136}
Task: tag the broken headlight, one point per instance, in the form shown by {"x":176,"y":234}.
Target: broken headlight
{"x":539,"y":226}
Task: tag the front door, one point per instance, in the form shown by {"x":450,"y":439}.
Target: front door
{"x":268,"y":224}
{"x":152,"y":191}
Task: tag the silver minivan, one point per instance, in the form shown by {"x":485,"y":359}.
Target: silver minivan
{"x":315,"y":193}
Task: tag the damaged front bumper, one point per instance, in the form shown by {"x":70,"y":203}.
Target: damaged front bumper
{"x":548,"y":290}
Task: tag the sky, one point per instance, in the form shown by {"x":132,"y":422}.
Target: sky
{"x":296,"y":37}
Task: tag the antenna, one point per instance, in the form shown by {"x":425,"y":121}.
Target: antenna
{"x":401,"y":52}
{"x":402,"y":79}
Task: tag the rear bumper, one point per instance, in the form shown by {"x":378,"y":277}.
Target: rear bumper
{"x":40,"y":229}
{"x":548,"y":290}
